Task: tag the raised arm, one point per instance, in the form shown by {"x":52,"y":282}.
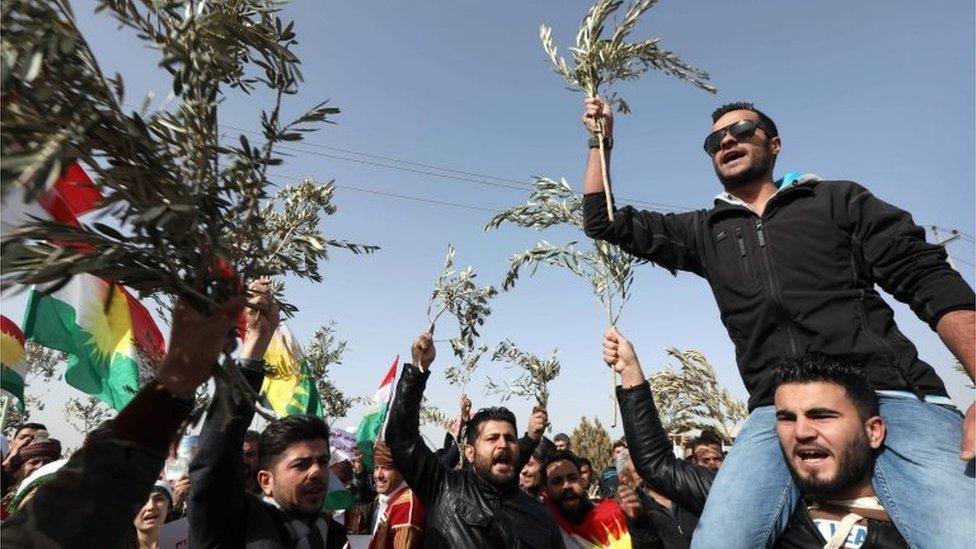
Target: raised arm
{"x":418,"y":464}
{"x":94,"y":497}
{"x":217,"y":485}
{"x":684,"y":483}
{"x":669,"y":240}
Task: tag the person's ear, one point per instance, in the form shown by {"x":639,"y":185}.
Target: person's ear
{"x":775,"y":145}
{"x":265,"y":481}
{"x":469,"y":453}
{"x":875,"y":430}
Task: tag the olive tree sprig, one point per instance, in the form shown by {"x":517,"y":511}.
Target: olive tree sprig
{"x":599,"y":61}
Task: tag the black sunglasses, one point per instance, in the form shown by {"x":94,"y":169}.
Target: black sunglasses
{"x":743,"y":129}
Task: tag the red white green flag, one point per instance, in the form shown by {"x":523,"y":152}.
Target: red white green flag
{"x":106,"y":332}
{"x":374,"y":420}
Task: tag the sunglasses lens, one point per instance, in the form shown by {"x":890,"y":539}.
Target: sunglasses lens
{"x":714,"y":141}
{"x":742,"y":129}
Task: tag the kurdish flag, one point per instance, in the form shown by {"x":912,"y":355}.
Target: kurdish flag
{"x":12,"y":361}
{"x":106,"y":332}
{"x":604,"y":526}
{"x":103,"y":328}
{"x":374,"y":421}
{"x":288,"y":385}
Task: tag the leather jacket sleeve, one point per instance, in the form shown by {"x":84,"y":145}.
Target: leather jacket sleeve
{"x":418,"y":464}
{"x":684,"y":483}
{"x":215,"y":508}
{"x":666,"y":239}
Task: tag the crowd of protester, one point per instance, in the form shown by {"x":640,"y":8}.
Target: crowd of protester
{"x":852,"y":447}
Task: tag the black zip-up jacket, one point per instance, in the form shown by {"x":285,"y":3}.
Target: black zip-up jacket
{"x":462,"y":509}
{"x":801,"y":277}
{"x":687,"y":484}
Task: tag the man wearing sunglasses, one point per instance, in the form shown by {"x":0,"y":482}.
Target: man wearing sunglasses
{"x":793,"y":265}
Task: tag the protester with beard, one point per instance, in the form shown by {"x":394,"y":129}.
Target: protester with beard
{"x":614,"y":522}
{"x":829,"y":432}
{"x":149,"y":519}
{"x":292,"y":469}
{"x":794,"y":264}
{"x":479,"y":506}
{"x":92,"y":499}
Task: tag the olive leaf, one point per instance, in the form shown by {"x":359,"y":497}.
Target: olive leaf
{"x":536,"y":374}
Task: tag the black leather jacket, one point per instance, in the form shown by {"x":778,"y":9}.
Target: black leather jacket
{"x":687,"y":484}
{"x":462,"y":510}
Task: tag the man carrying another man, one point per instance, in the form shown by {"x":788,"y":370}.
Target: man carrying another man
{"x":794,"y":265}
{"x":829,"y":433}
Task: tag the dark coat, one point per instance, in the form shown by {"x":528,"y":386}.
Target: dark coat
{"x":462,"y":509}
{"x":221,"y":512}
{"x":92,"y":500}
{"x":687,"y":484}
{"x":801,"y":278}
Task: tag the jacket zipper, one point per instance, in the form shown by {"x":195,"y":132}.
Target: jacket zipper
{"x":773,"y":287}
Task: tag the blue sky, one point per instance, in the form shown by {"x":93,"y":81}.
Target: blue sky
{"x":877,"y":92}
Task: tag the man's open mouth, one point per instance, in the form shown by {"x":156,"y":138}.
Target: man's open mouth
{"x":811,"y":455}
{"x":731,"y":156}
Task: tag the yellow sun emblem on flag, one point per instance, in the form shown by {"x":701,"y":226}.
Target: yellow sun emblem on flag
{"x":110,"y":328}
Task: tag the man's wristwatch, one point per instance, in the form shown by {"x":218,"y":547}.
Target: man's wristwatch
{"x":593,"y":142}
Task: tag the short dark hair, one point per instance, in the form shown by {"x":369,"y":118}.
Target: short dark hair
{"x":496,"y":413}
{"x":558,"y":455}
{"x":814,"y":367}
{"x":561,"y":437}
{"x":585,"y":461}
{"x":706,"y":441}
{"x":618,"y":444}
{"x":35,"y":426}
{"x":708,"y":437}
{"x":765,"y":122}
{"x":252,"y":436}
{"x":282,"y":433}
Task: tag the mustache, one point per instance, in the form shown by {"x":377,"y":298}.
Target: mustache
{"x":313,"y":486}
{"x":501,"y":455}
{"x":569,"y":496}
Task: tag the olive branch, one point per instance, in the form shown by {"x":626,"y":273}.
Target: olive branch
{"x":536,"y":374}
{"x":456,"y":292}
{"x":185,"y":214}
{"x":608,"y":269}
{"x":600,"y":62}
